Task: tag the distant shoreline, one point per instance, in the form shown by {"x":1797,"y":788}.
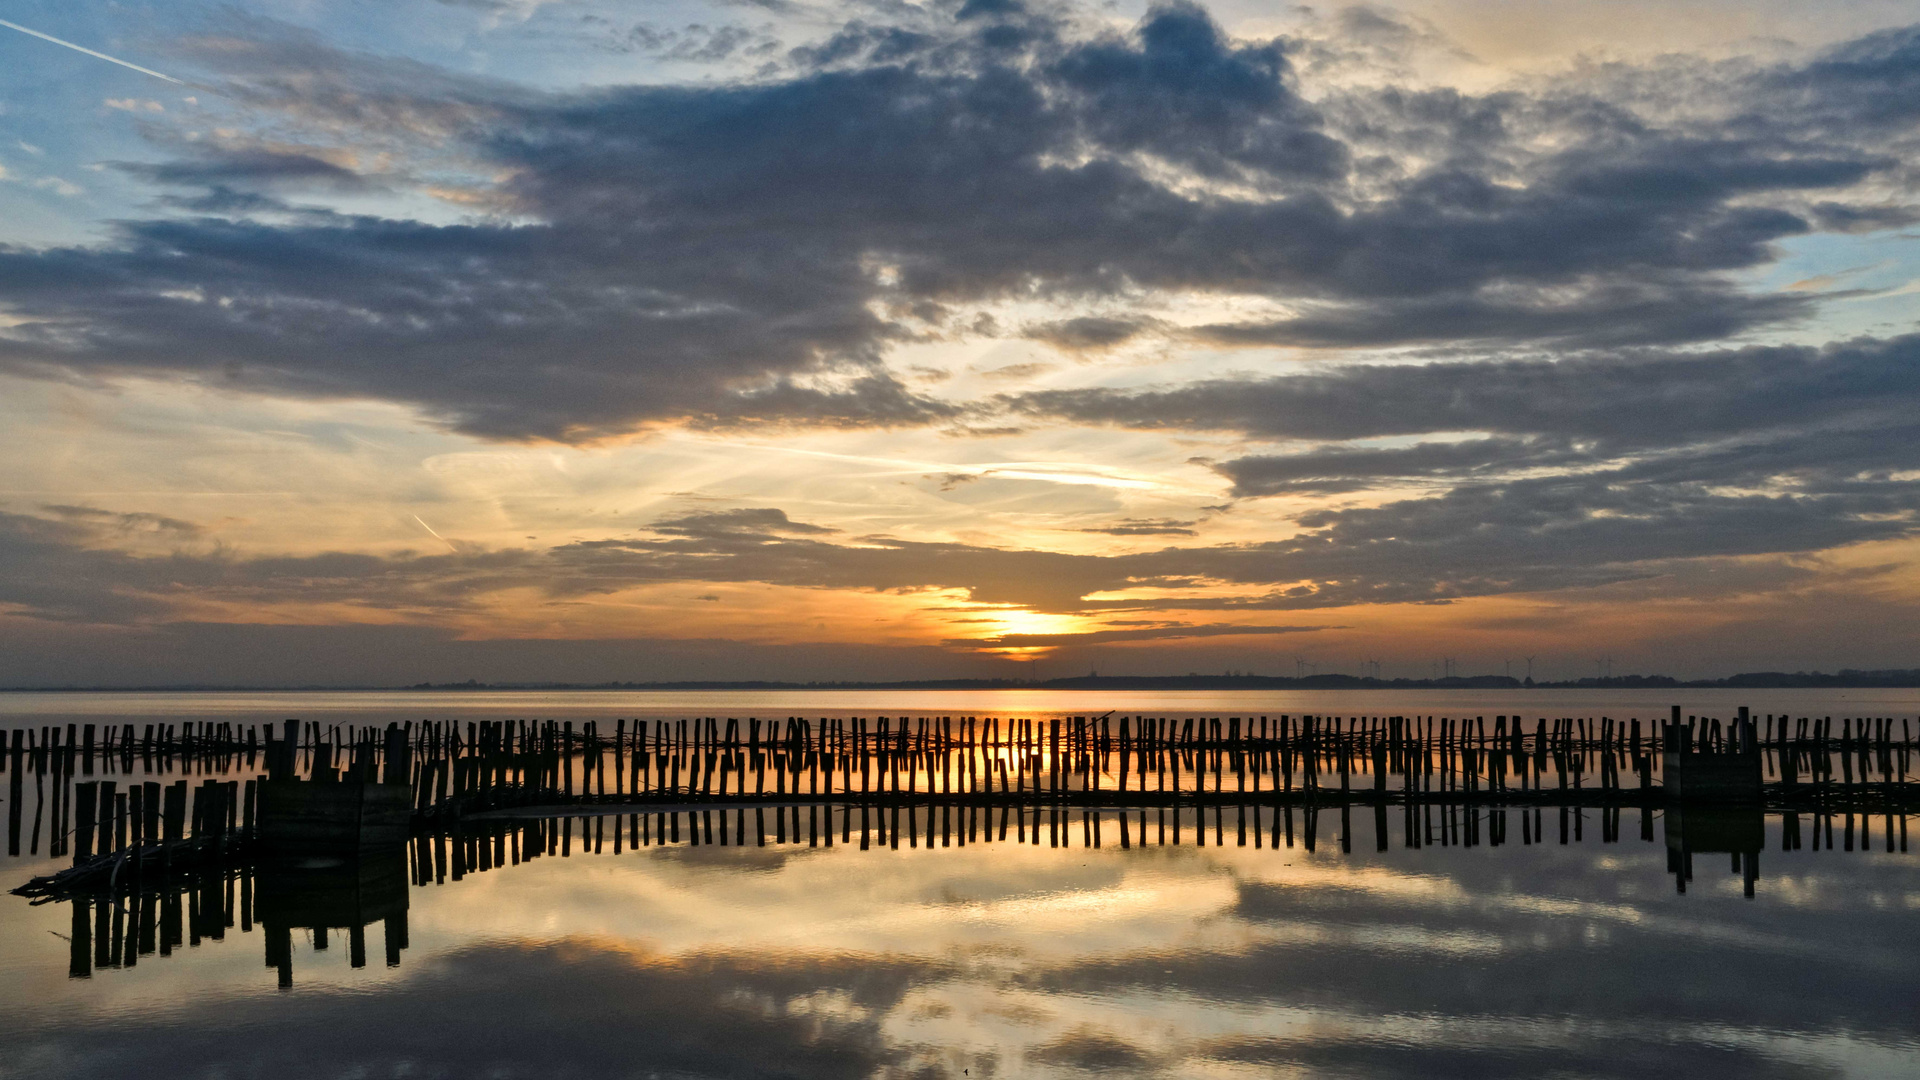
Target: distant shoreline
{"x":1761,"y":680}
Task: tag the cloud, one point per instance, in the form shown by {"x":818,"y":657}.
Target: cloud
{"x":697,"y":42}
{"x":1531,"y":534}
{"x":1146,"y":633}
{"x":1144,"y":527}
{"x":1626,"y":398}
{"x":1551,"y":290}
{"x":250,"y":167}
{"x":725,"y":523}
{"x":1016,"y":372}
{"x":1579,"y":471}
{"x":58,"y":186}
{"x":1645,"y":312}
{"x":1090,"y":333}
{"x":1340,"y":470}
{"x":749,"y":252}
{"x":133,"y":522}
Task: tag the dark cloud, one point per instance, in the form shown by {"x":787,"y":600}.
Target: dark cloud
{"x":748,"y":252}
{"x":40,"y":653}
{"x":1871,"y":83}
{"x":1850,"y":218}
{"x":53,"y":575}
{"x":1145,"y":527}
{"x":250,"y":167}
{"x":1181,"y":92}
{"x":721,"y":523}
{"x":1545,"y":534}
{"x":1616,"y":314}
{"x":126,"y":523}
{"x":1585,"y":470}
{"x":1619,"y":401}
{"x":1340,"y":470}
{"x":1090,"y":332}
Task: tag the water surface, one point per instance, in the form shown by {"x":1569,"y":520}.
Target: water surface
{"x":953,"y":952}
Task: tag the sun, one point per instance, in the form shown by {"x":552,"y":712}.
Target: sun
{"x":999,"y":624}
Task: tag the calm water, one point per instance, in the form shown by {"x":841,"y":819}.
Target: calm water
{"x":383,"y":706}
{"x":1009,"y":959}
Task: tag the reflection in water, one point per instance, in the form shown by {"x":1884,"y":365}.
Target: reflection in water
{"x":349,"y":894}
{"x":1402,"y":919}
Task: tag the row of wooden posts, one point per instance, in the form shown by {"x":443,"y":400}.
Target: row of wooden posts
{"x":498,"y":764}
{"x":494,"y":793}
{"x":494,"y":764}
{"x":216,"y":746}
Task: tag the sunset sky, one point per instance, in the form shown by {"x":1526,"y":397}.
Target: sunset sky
{"x":578,"y":340}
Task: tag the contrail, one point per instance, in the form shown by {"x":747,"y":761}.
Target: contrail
{"x":90,"y":52}
{"x":436,"y":535}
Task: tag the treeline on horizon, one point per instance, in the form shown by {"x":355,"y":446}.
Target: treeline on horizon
{"x":1847,"y":679}
{"x":1760,"y":680}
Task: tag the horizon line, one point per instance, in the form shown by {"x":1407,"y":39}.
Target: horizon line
{"x":1846,"y":678}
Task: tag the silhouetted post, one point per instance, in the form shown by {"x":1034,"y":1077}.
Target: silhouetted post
{"x":398,"y":764}
{"x":83,"y":823}
{"x":175,"y":812}
{"x":109,"y":797}
{"x":15,"y":789}
{"x":619,"y":759}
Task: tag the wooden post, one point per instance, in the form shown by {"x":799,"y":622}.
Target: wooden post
{"x":175,"y":812}
{"x":108,"y":801}
{"x":83,"y":826}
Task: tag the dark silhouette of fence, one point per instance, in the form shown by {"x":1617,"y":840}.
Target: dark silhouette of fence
{"x":152,"y":856}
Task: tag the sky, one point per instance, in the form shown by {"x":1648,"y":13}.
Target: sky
{"x":513,"y":340}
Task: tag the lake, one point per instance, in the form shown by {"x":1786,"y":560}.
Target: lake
{"x":1258,"y":936}
{"x":28,"y":708}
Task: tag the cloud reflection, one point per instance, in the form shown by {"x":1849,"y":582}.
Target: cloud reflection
{"x":1014,"y":960}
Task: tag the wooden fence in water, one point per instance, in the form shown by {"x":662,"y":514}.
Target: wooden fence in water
{"x":164,"y":828}
{"x":1010,"y":772}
